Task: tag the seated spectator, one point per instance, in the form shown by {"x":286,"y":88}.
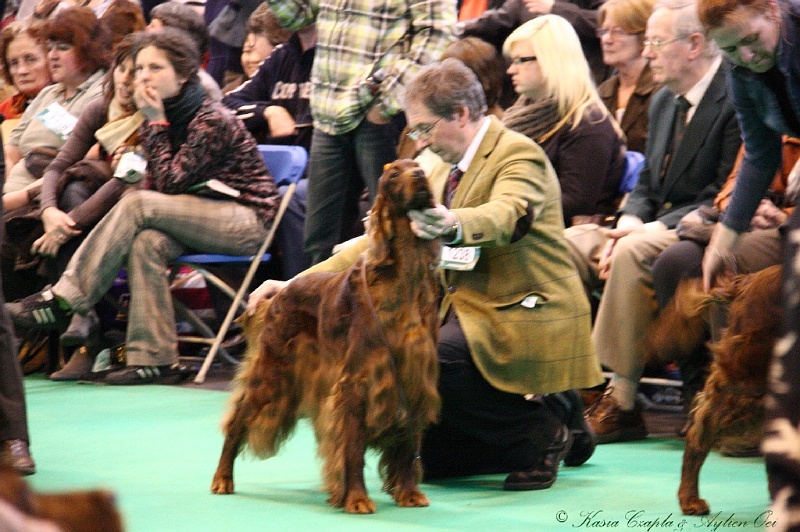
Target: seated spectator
{"x":122,"y":18}
{"x":25,"y":69}
{"x":174,"y":14}
{"x":692,"y":143}
{"x":491,"y":349}
{"x":186,"y":139}
{"x":761,"y":247}
{"x":274,"y":106}
{"x":79,"y":52}
{"x":495,"y":25}
{"x":628,"y":91}
{"x":23,"y":54}
{"x":264,"y":33}
{"x":76,"y":193}
{"x":560,"y":110}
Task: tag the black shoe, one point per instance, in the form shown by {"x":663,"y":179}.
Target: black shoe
{"x":148,"y":375}
{"x":569,"y":406}
{"x":38,"y":311}
{"x":16,"y":454}
{"x":543,"y":475}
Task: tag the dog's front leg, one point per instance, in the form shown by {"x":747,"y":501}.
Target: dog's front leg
{"x":235,"y":430}
{"x":344,"y":450}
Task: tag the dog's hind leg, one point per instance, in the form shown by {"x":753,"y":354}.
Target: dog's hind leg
{"x":701,"y":436}
{"x":235,"y":432}
{"x":403,"y":470}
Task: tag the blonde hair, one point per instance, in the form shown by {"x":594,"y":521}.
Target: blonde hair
{"x":568,"y":80}
{"x":630,"y":15}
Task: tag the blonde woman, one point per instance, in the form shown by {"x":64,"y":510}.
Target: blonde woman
{"x":620,"y":27}
{"x":559,"y":108}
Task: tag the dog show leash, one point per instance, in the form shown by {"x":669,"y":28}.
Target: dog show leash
{"x":404,"y":405}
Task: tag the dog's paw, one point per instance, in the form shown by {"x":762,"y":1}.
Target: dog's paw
{"x":694,"y":506}
{"x":412,"y":498}
{"x":359,"y":503}
{"x":222,"y":485}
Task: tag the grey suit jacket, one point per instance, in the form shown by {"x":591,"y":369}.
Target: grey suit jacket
{"x":701,"y":162}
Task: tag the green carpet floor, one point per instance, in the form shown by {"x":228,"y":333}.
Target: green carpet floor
{"x":157,"y":448}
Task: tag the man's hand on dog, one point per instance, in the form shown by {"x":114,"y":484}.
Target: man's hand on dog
{"x":268,"y":288}
{"x":434,"y":223}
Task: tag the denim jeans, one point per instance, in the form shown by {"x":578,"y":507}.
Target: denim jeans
{"x":145,"y":232}
{"x":339,"y":168}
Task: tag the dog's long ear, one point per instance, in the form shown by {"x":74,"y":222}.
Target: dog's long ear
{"x":381,"y":232}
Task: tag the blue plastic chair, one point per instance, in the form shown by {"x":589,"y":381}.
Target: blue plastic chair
{"x":287,"y":165}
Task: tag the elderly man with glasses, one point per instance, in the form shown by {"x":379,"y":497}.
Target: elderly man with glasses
{"x":692,"y":142}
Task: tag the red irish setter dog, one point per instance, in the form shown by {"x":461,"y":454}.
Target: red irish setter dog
{"x":355,"y":352}
{"x":731,"y":406}
{"x":76,"y":511}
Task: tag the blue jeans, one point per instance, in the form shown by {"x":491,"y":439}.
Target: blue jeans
{"x":145,"y":232}
{"x":340,"y":166}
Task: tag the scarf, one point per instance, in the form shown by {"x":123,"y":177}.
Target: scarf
{"x":180,"y":110}
{"x":121,"y":126}
{"x":534,"y":119}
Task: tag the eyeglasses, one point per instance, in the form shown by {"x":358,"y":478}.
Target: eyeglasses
{"x":655,"y":44}
{"x":423,"y":131}
{"x":615,"y":33}
{"x":517,"y":61}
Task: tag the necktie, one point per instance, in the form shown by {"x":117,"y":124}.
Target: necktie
{"x":452,"y":183}
{"x":682,"y":106}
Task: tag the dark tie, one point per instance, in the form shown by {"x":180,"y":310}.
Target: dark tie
{"x":452,"y":184}
{"x":682,"y":106}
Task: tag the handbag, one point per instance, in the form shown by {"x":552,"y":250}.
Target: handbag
{"x":37,"y":160}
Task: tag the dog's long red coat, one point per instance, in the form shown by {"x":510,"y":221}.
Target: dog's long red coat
{"x":365,"y":380}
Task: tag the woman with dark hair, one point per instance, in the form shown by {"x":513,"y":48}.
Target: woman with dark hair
{"x":760,"y":38}
{"x":187,"y":140}
{"x":79,"y":52}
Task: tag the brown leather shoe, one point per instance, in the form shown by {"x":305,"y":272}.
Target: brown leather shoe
{"x":17,"y":455}
{"x":544,"y":474}
{"x":612,"y":424}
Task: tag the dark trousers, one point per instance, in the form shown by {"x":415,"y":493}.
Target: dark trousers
{"x":482,"y":430}
{"x":13,"y":420}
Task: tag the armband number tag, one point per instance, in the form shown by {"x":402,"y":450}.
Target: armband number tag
{"x":461,"y":258}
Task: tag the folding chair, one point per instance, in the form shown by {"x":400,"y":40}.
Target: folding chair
{"x":287,"y":165}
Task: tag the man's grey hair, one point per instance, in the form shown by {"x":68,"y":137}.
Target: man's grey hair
{"x":447,"y":86}
{"x":687,"y":22}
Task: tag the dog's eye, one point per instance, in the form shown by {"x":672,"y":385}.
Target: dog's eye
{"x":394,"y":175}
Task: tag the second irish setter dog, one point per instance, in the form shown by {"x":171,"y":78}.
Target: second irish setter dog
{"x":355,"y":352}
{"x":731,"y":406}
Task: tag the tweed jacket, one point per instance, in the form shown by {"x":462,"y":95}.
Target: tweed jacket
{"x":634,"y":121}
{"x":701,"y":162}
{"x":508,"y":203}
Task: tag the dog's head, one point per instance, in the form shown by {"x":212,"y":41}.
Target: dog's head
{"x":402,"y":187}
